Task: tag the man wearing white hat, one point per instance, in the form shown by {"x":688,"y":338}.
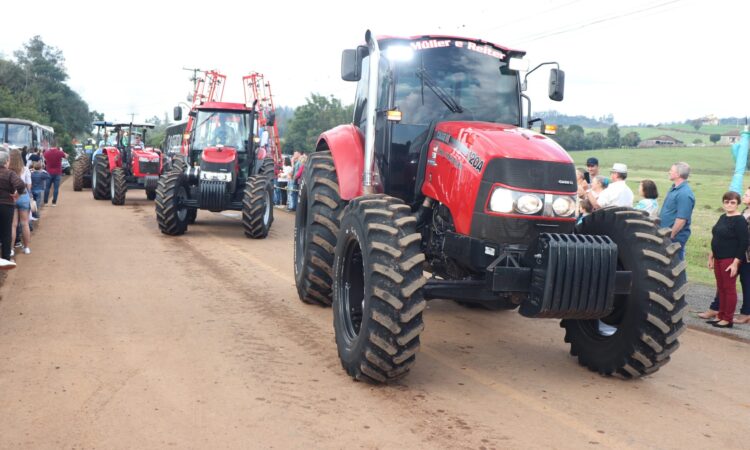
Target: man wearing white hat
{"x":617,"y":193}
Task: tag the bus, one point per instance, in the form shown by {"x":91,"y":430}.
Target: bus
{"x":26,"y":135}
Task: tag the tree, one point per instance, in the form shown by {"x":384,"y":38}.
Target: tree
{"x":631,"y":139}
{"x":613,"y":137}
{"x":714,"y":138}
{"x":595,"y":140}
{"x":697,"y":123}
{"x":320,"y":113}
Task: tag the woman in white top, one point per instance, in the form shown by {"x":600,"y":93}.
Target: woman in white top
{"x":647,"y":190}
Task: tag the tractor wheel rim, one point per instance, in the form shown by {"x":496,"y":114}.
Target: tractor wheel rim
{"x":352,"y":290}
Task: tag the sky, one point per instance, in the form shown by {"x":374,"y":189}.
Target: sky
{"x":643,"y":61}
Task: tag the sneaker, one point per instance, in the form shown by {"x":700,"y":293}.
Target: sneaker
{"x":54,"y":204}
{"x":19,"y":244}
{"x":32,"y":218}
{"x":7,"y":265}
{"x":26,"y":251}
{"x":12,"y":253}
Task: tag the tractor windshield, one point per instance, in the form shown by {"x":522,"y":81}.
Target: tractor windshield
{"x":227,"y":128}
{"x":455,"y":83}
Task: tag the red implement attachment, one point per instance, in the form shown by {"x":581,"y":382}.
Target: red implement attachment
{"x":256,"y":88}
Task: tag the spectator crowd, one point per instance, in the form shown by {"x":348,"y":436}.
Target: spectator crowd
{"x":26,"y":181}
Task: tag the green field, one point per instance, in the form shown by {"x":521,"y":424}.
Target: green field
{"x":683,"y":132}
{"x":711,"y":172}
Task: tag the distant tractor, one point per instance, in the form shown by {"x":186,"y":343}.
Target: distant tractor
{"x":440,"y":173}
{"x":83,"y":163}
{"x":220,"y":168}
{"x":127,"y":164}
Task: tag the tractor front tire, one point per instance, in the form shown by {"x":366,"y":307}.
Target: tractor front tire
{"x":192,"y":214}
{"x":171,"y":214}
{"x":81,"y":166}
{"x":100,"y":181}
{"x":377,"y":289}
{"x":150,"y":194}
{"x":647,"y":322}
{"x":316,"y":226}
{"x":257,"y":206}
{"x":118,"y":186}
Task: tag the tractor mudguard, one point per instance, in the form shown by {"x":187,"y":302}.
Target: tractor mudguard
{"x":346,"y":144}
{"x":113,"y":156}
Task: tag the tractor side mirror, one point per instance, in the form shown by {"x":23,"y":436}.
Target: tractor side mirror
{"x":177,"y":113}
{"x":350,"y":69}
{"x":556,"y":84}
{"x":351,"y":63}
{"x":271,"y":119}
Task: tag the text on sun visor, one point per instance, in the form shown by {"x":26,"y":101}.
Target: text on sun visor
{"x":473,"y":46}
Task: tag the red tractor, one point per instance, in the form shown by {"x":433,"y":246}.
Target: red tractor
{"x":440,"y":173}
{"x":126,"y":163}
{"x":222,"y":169}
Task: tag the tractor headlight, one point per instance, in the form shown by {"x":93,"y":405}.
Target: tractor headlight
{"x":529,"y":204}
{"x":501,"y":201}
{"x":564,"y":206}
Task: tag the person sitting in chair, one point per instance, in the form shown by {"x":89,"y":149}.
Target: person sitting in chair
{"x":225,"y":135}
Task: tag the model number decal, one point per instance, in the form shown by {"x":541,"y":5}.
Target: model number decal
{"x":476,"y":161}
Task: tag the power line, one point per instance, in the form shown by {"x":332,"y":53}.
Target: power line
{"x":576,"y":27}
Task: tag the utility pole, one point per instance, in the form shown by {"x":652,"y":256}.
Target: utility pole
{"x":132,"y":117}
{"x":194,"y":78}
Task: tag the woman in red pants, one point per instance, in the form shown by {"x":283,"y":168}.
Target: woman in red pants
{"x":728,"y":245}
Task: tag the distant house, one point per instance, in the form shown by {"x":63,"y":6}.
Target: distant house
{"x":661,"y":141}
{"x":729,"y":138}
{"x":709,"y":120}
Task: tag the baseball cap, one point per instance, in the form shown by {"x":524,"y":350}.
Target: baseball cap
{"x":592,"y":162}
{"x":619,"y":168}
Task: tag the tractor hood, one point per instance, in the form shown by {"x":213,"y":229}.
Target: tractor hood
{"x":481,"y":141}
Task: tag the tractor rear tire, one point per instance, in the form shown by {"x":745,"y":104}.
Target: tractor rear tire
{"x":648,"y":321}
{"x":150,"y":194}
{"x":377,"y":289}
{"x":257,"y":206}
{"x":100,"y":181}
{"x":118,"y":186}
{"x":171,"y":215}
{"x":81,"y":166}
{"x":316,"y":226}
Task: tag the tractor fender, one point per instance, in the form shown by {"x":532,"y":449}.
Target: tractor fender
{"x":346,"y":144}
{"x":113,"y":156}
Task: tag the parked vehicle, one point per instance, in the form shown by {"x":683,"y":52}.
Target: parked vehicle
{"x":440,"y":173}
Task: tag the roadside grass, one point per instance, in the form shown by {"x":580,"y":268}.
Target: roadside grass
{"x":711,"y":170}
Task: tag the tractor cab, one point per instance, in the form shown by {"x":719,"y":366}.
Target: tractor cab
{"x":221,"y":142}
{"x":422,"y":82}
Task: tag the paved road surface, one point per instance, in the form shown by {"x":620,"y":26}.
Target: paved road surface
{"x":115,"y":336}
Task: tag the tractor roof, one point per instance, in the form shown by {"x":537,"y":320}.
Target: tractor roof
{"x":133,"y":124}
{"x":102,"y":123}
{"x":510,"y":51}
{"x":223,"y":106}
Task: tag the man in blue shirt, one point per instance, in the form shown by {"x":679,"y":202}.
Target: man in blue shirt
{"x":678,"y":206}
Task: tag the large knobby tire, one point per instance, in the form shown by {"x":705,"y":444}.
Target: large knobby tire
{"x":81,"y":167}
{"x":192,"y":215}
{"x":178,"y":164}
{"x":316,"y":227}
{"x":648,"y":321}
{"x":150,"y":194}
{"x":267,"y":168}
{"x":118,"y":186}
{"x":257,"y":206}
{"x":100,"y":181}
{"x":377,"y":289}
{"x":171,"y":214}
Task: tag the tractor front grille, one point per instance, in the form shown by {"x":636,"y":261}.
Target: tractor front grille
{"x":151,"y":167}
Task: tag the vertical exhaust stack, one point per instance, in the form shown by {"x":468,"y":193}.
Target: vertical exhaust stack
{"x":372,"y":96}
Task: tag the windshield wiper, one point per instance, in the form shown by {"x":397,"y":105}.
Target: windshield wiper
{"x":439,"y":92}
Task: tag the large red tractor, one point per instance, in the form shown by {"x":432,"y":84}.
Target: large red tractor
{"x":440,"y":173}
{"x":126,"y":163}
{"x":222,"y":170}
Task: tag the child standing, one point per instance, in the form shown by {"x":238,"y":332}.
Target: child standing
{"x":39,"y":180}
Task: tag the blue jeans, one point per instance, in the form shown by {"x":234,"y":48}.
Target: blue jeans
{"x":681,"y":253}
{"x":54,"y":179}
{"x":37,"y":195}
{"x":292,"y":195}
{"x":744,"y":275}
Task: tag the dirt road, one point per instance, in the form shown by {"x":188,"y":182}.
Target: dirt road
{"x":115,"y":336}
